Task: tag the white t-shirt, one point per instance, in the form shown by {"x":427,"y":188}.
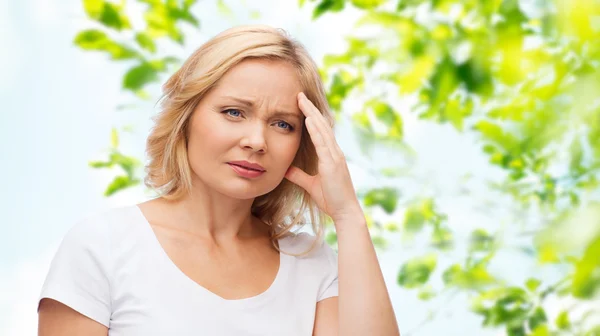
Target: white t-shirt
{"x":112,"y":269}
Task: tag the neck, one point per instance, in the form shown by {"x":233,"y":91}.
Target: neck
{"x":218,"y":217}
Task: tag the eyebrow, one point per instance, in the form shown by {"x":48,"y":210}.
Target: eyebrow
{"x":250,"y":104}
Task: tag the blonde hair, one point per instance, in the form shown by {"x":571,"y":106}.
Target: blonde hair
{"x":168,"y":170}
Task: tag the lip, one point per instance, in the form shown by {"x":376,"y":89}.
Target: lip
{"x":245,"y":172}
{"x":248,"y":165}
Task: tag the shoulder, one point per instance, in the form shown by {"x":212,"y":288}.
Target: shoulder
{"x":90,"y":244}
{"x":105,"y":220}
{"x":317,"y":267}
{"x":82,"y":271}
{"x":305,"y":246}
{"x":100,"y":227}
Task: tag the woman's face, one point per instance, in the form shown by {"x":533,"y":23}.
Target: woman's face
{"x":251,"y":115}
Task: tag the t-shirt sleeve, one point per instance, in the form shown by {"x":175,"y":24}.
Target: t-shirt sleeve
{"x":79,"y":272}
{"x":329,"y":285}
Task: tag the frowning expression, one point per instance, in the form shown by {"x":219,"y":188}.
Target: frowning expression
{"x":251,"y":115}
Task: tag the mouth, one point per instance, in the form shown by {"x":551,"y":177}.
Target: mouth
{"x":245,"y":171}
{"x":245,"y":167}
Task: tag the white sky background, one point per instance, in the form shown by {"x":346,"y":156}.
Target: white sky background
{"x":59,"y":106}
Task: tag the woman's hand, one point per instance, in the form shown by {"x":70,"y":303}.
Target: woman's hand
{"x":332,"y":187}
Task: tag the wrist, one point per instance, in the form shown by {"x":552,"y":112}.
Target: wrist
{"x":354,"y":218}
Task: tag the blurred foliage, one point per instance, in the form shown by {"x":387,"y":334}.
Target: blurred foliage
{"x":127,"y":164}
{"x":521,"y":77}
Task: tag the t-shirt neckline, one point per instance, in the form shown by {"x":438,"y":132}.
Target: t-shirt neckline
{"x":179,"y":274}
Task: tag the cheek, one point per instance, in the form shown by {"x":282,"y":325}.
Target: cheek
{"x":285,"y":151}
{"x":208,"y":130}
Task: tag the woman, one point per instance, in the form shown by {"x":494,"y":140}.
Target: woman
{"x":243,"y":147}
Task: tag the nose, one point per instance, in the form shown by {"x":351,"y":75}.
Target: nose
{"x":254,"y":139}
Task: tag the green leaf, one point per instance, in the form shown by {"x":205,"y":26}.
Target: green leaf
{"x":474,"y":277}
{"x":120,"y":183}
{"x":101,"y":164}
{"x":145,"y":41}
{"x":162,"y":20}
{"x":391,"y":227}
{"x":114,"y":138}
{"x":532,"y":284}
{"x":386,"y":198}
{"x":442,"y":238}
{"x":189,"y":3}
{"x":383,"y":111}
{"x":426,"y":293}
{"x":416,"y":272}
{"x":386,"y":114}
{"x":537,"y":318}
{"x":367,"y":4}
{"x":403,"y":4}
{"x":413,"y":220}
{"x":328,"y":6}
{"x":476,"y":78}
{"x":490,"y":7}
{"x":515,"y":330}
{"x":392,"y":172}
{"x":443,"y":83}
{"x":481,"y":241}
{"x":511,"y":11}
{"x":541,"y":330}
{"x":586,"y":280}
{"x":562,"y":320}
{"x":342,"y":83}
{"x":456,"y":111}
{"x":127,"y":163}
{"x":137,"y":77}
{"x":108,"y":14}
{"x":93,"y":8}
{"x":89,"y":39}
{"x":413,"y":77}
{"x":362,"y":120}
{"x":182,"y":14}
{"x":97,"y":40}
{"x":495,"y":134}
{"x":508,"y":306}
{"x":113,"y":17}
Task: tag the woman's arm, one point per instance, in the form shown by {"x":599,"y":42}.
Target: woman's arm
{"x":365,"y":307}
{"x":327,"y":317}
{"x":57,"y":319}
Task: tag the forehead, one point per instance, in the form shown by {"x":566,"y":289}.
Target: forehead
{"x":274,"y":80}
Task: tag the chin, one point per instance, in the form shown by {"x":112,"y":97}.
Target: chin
{"x":238,"y":187}
{"x":245,"y":189}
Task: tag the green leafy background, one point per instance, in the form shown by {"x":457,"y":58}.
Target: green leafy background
{"x":520,"y":80}
{"x":473,"y":134}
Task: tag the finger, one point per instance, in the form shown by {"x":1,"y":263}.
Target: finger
{"x":321,"y":124}
{"x":305,"y":107}
{"x":310,"y":110}
{"x":318,"y":140}
{"x":299,"y":177}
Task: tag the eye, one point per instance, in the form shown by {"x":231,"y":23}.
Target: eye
{"x":284,"y":125}
{"x":233,"y":112}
